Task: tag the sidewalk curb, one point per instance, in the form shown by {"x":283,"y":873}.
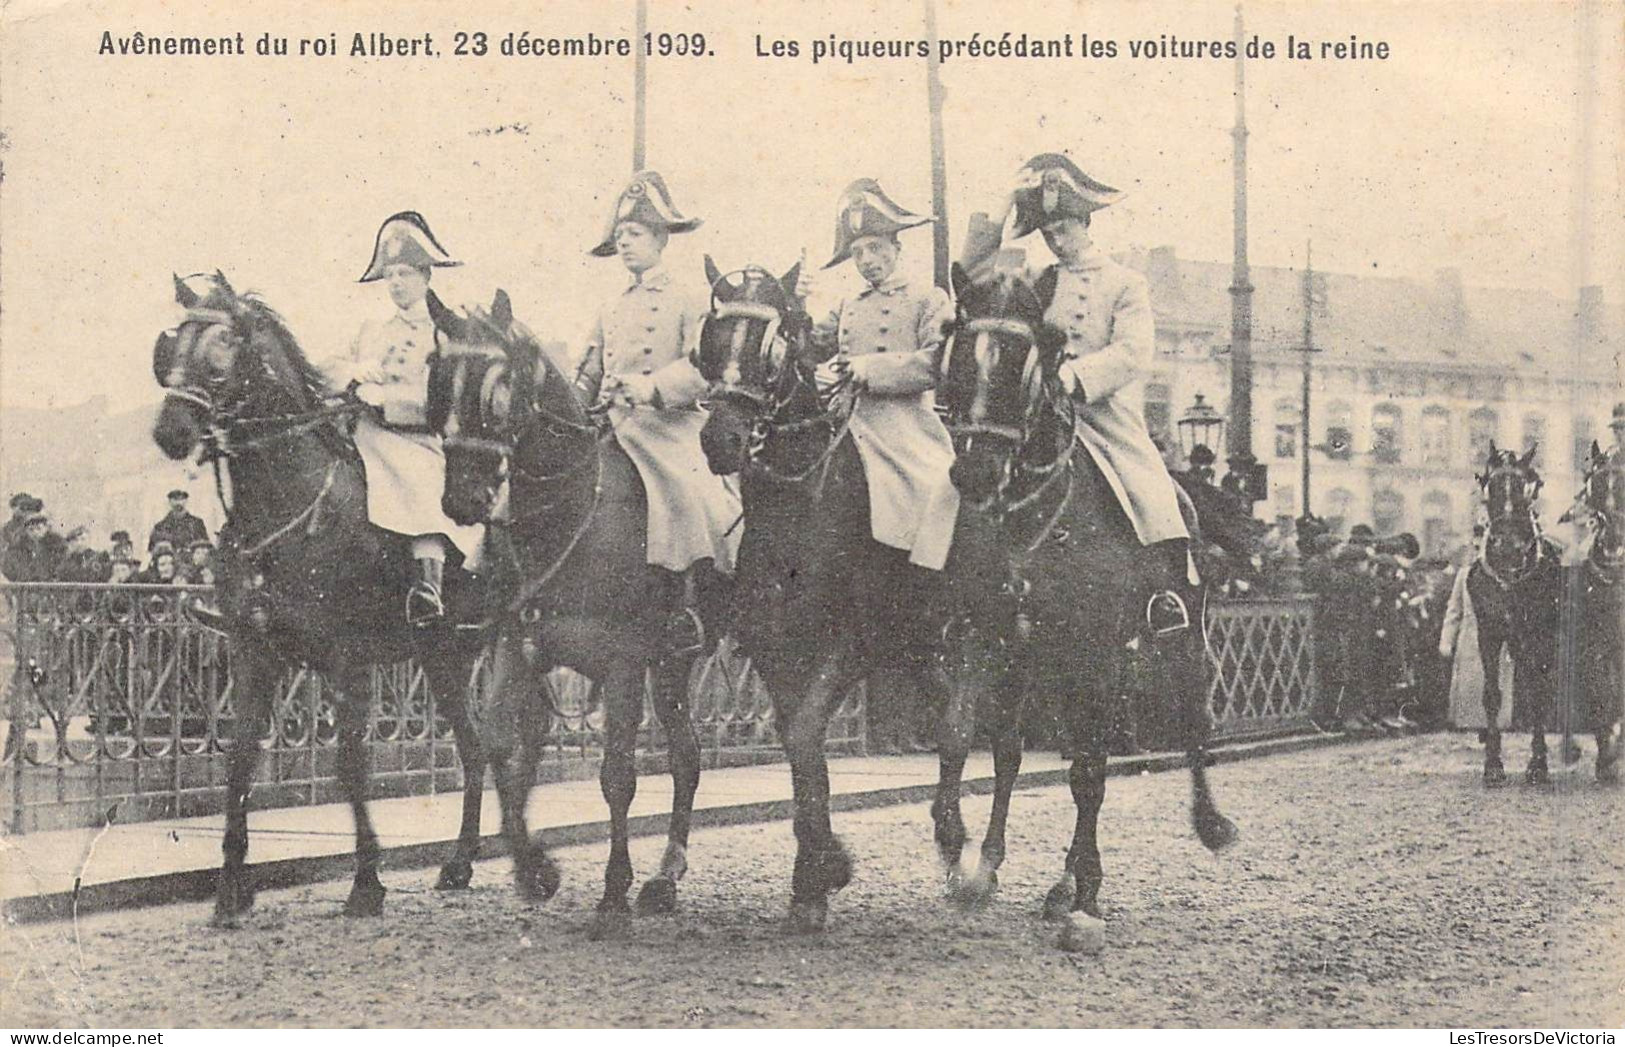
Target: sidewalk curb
{"x":199,"y":884}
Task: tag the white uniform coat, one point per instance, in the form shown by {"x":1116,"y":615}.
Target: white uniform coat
{"x":648,"y":330}
{"x":1105,"y":310}
{"x":891,"y":336}
{"x":406,"y":468}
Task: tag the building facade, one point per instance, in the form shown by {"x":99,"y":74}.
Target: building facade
{"x":1410,"y":382}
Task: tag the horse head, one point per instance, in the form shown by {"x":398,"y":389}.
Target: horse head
{"x":752,"y":351}
{"x":1602,"y":500}
{"x":1510,"y":484}
{"x":230,"y":362}
{"x":490,"y":387}
{"x":999,"y":382}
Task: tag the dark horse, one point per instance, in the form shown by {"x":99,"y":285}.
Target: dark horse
{"x":578,"y":519}
{"x":1081,"y":586}
{"x":1516,"y":586}
{"x":1598,"y":589}
{"x":820,"y":605}
{"x":302,"y":577}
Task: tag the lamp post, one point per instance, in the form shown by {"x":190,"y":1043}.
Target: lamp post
{"x":1200,"y":429}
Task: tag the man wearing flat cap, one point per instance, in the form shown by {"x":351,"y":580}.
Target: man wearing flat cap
{"x":179,"y":528}
{"x":1104,"y":310}
{"x":637,"y":361}
{"x":388,"y":367}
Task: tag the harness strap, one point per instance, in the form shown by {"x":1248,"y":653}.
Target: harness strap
{"x":533,"y":586}
{"x":309,"y":514}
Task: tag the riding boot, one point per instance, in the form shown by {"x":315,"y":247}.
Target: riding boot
{"x":423,"y":603}
{"x":674,"y":593}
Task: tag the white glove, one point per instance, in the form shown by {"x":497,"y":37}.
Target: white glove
{"x":370,"y":392}
{"x":635,"y":390}
{"x":831,"y":373}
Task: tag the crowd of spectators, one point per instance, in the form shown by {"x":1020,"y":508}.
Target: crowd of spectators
{"x":32,"y":549}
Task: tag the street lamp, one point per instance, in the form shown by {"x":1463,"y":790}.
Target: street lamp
{"x":1200,"y":428}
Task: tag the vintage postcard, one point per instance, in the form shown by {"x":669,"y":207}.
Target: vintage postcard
{"x":641,"y":513}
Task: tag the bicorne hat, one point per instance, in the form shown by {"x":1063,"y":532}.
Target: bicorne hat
{"x":405,"y":239}
{"x":866,"y":210}
{"x":647,"y":201}
{"x":1051,"y":186}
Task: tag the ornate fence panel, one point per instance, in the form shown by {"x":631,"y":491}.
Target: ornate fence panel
{"x":1261,"y":655}
{"x":119,"y":696}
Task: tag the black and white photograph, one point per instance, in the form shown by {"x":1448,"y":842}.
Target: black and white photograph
{"x":644,"y":514}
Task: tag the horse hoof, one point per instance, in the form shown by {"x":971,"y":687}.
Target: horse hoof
{"x":1216,"y":832}
{"x":537,"y":878}
{"x":658,"y":897}
{"x":1083,"y":934}
{"x":1608,"y":774}
{"x":836,"y":867}
{"x":1058,"y":902}
{"x":807,"y":917}
{"x":975,"y":893}
{"x":1571,"y":753}
{"x":365,"y":900}
{"x":455,"y":876}
{"x":611,"y":924}
{"x":1537,"y":774}
{"x":1494,"y":774}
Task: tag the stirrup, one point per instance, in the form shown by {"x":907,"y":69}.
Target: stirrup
{"x":685,"y":631}
{"x":1166,"y":613}
{"x":423,"y":605}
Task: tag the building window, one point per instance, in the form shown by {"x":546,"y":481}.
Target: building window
{"x":1158,"y":411}
{"x":1387,"y":433}
{"x":1436,"y":437}
{"x":1387,"y":512}
{"x":1481,"y":429}
{"x":1339,"y":431}
{"x":1338,"y":505}
{"x":1534,"y":431}
{"x":1287,"y":413}
{"x":1436,"y":531}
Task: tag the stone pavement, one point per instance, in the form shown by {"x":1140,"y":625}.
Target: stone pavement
{"x":148,"y":863}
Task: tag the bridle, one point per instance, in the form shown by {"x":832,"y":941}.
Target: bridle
{"x":1039,"y":395}
{"x":1509,"y":497}
{"x":783,"y":387}
{"x":1604,"y":487}
{"x":221,"y":395}
{"x":489,"y":405}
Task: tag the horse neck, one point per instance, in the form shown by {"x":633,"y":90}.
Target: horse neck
{"x":279,"y":475}
{"x":555,"y":483}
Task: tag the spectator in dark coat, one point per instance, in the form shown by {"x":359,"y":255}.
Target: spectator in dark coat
{"x":35,"y":554}
{"x":122,"y":547}
{"x":80,"y":563}
{"x":161,"y":569}
{"x":180,"y":528}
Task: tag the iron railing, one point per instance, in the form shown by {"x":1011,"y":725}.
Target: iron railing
{"x":119,"y":696}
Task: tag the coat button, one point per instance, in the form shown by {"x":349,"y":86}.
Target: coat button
{"x":647,"y":350}
{"x":1078,"y":316}
{"x":883,"y":330}
{"x":880,"y":348}
{"x":654,"y":308}
{"x":647,"y":371}
{"x":651,"y":329}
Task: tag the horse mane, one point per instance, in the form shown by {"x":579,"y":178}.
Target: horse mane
{"x":262,"y":314}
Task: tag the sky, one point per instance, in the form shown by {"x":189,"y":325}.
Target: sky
{"x":1463,"y":149}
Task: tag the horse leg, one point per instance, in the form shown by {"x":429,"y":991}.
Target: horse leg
{"x":822,"y":865}
{"x":1184,"y":657}
{"x":1007,"y":695}
{"x":1530,"y":684}
{"x":354,"y":718}
{"x":1079,"y":886}
{"x":955,"y":732}
{"x":254,"y":676}
{"x":659,"y":892}
{"x":510,"y":741}
{"x":449,"y":679}
{"x":1489,"y":652}
{"x":622,"y":688}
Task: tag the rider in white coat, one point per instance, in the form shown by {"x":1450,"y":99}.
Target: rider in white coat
{"x":887,"y":340}
{"x":1104,"y":309}
{"x":388,"y":365}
